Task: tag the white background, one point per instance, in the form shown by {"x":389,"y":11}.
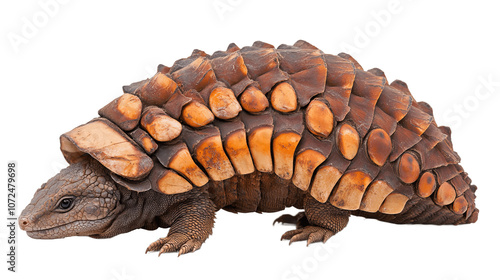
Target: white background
{"x":60,"y":63}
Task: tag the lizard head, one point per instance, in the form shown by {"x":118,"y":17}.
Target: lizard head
{"x":81,"y":200}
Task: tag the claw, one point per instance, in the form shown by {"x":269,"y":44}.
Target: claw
{"x":315,"y":237}
{"x":310,"y":233}
{"x":289,"y":219}
{"x":299,"y":237}
{"x":289,"y":234}
{"x":327,"y":236}
{"x":181,"y":251}
{"x":168,"y":247}
{"x":155,"y":246}
{"x":285,"y":219}
{"x":175,"y":242}
{"x":190,"y":246}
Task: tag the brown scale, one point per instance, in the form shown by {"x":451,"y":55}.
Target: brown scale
{"x":347,"y":140}
{"x":459,"y":205}
{"x":349,"y":190}
{"x":232,"y":48}
{"x":234,"y":137}
{"x":310,"y":153}
{"x":394,"y":102}
{"x":134,"y":185}
{"x":445,"y":194}
{"x":319,"y":118}
{"x":176,"y":156}
{"x":416,"y":120}
{"x":379,"y":146}
{"x":339,"y":81}
{"x":408,"y":168}
{"x":259,"y":129}
{"x":434,"y":159}
{"x":263,"y":66}
{"x":426,"y":184}
{"x":328,"y":174}
{"x":459,"y":184}
{"x":142,"y":138}
{"x":223,"y":103}
{"x":173,"y":107}
{"x":402,"y":140}
{"x":206,"y":146}
{"x":430,"y":139}
{"x":366,"y":90}
{"x":159,"y":125}
{"x":283,"y":98}
{"x":351,"y":187}
{"x":108,"y":144}
{"x":382,"y":120}
{"x":124,"y":111}
{"x":470,"y":197}
{"x":196,"y":113}
{"x":401,"y":86}
{"x":306,"y":69}
{"x":351,"y":59}
{"x":158,"y":90}
{"x":168,"y":181}
{"x":394,"y":203}
{"x":230,"y":69}
{"x":286,"y":137}
{"x":253,"y":100}
{"x":368,"y":145}
{"x":445,"y":173}
{"x":132,"y":88}
{"x":194,"y":73}
{"x":162,"y":69}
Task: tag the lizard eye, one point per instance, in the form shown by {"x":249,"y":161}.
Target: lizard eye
{"x":65,"y":203}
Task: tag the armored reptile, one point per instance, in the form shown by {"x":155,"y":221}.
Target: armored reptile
{"x":255,"y":129}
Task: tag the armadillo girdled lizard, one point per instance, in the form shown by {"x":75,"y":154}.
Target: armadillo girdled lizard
{"x":255,"y":129}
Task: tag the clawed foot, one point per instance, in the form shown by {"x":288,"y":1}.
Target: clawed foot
{"x":175,"y":242}
{"x":310,"y":233}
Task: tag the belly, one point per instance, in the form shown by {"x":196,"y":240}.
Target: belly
{"x":255,"y":192}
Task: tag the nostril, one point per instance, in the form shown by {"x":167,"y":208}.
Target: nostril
{"x":23,"y":222}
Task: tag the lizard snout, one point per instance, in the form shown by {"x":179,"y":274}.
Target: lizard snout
{"x":25,"y":223}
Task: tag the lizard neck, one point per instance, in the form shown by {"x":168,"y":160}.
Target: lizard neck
{"x":149,"y":210}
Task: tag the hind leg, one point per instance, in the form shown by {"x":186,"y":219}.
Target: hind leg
{"x":322,"y":221}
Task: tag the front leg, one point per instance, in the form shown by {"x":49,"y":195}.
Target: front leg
{"x":191,"y":223}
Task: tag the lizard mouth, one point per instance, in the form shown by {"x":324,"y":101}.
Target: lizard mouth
{"x":76,"y":228}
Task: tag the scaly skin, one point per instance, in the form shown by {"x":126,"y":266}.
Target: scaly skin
{"x":101,"y":209}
